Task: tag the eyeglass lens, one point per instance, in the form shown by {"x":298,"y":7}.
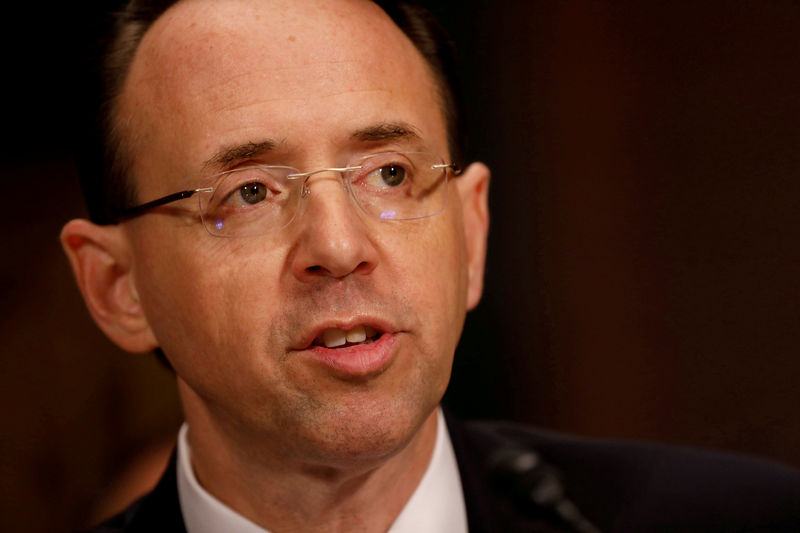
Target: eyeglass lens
{"x":389,"y":186}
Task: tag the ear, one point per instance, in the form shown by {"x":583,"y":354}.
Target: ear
{"x":473,"y":187}
{"x":101,"y":261}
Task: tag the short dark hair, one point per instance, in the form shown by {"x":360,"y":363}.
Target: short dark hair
{"x":103,"y":163}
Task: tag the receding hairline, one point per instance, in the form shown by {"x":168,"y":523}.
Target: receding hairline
{"x":126,"y":118}
{"x":107,"y":178}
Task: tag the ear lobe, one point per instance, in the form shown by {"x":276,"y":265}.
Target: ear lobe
{"x":100,"y":259}
{"x":473,"y":187}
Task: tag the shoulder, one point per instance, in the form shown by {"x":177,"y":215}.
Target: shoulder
{"x":120,"y":522}
{"x":627,"y":486}
{"x":158,"y":510}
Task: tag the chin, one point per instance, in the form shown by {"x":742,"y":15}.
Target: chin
{"x":363,"y":435}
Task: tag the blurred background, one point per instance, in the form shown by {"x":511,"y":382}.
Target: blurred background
{"x":641,"y":278}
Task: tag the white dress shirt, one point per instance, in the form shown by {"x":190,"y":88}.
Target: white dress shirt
{"x":436,"y":506}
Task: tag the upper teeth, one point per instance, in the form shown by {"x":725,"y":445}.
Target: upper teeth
{"x":334,"y":337}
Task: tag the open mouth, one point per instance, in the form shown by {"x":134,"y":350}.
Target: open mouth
{"x":338,"y":338}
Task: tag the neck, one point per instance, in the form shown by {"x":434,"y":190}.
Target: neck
{"x":285,"y":493}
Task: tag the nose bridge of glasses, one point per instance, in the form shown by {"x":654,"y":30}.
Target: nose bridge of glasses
{"x":337,"y":173}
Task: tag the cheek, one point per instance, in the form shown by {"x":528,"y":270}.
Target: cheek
{"x":207,"y":299}
{"x":432,"y":258}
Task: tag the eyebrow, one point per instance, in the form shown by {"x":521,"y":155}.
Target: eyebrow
{"x":227,"y":155}
{"x":387,"y":131}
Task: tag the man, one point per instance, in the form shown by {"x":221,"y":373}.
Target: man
{"x":282,"y":216}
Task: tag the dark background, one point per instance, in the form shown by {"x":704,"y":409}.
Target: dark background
{"x":641,"y":279}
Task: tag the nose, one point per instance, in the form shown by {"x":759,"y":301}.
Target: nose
{"x":333,"y":239}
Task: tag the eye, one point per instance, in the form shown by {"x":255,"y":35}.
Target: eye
{"x":249,"y":187}
{"x":387,"y":176}
{"x":252,"y":193}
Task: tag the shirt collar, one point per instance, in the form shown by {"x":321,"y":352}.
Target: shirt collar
{"x":436,"y":505}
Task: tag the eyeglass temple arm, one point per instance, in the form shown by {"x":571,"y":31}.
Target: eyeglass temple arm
{"x":140,"y":209}
{"x":456,"y":169}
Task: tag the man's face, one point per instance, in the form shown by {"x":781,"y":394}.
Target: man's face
{"x":238,"y":317}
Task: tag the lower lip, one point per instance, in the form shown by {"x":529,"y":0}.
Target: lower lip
{"x":358,"y":360}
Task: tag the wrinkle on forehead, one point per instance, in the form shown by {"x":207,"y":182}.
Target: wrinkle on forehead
{"x":299,"y":99}
{"x":233,"y":83}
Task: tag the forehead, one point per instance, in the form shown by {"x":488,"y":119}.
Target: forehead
{"x":217,"y":72}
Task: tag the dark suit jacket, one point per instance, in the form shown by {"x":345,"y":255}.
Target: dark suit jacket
{"x":621,"y":487}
